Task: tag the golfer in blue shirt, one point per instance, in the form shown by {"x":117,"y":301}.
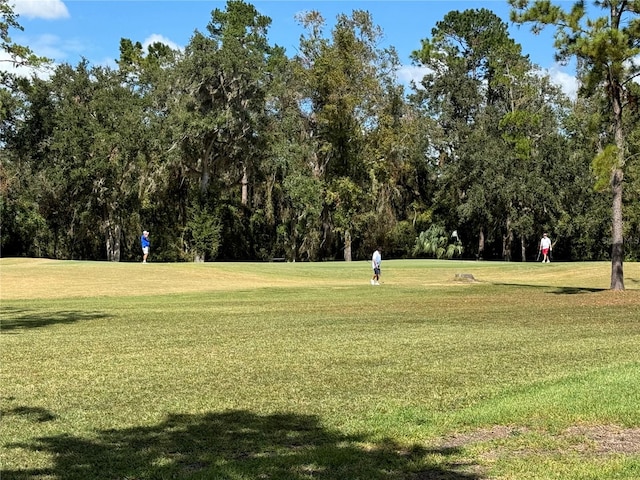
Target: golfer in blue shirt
{"x":144,"y":241}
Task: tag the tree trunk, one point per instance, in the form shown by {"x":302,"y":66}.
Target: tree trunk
{"x":113,"y":231}
{"x":507,"y":239}
{"x":617,"y":248}
{"x":294,"y":247}
{"x":523,"y":249}
{"x":481,"y":244}
{"x":245,"y":186}
{"x":347,"y":246}
{"x":205,"y":177}
{"x":205,"y":168}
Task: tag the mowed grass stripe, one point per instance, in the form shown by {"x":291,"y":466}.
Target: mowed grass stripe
{"x":41,"y":278}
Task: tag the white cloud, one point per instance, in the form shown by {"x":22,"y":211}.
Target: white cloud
{"x":567,"y":82}
{"x":52,"y":46}
{"x":408,"y":73}
{"x":47,"y":9}
{"x":634,"y":65}
{"x":60,"y":50}
{"x":108,"y":62}
{"x":7,"y":65}
{"x":156,"y":38}
{"x":49,"y":46}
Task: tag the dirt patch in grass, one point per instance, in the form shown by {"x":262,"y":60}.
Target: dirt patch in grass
{"x":464,"y":277}
{"x":607,"y":439}
{"x":591,"y":439}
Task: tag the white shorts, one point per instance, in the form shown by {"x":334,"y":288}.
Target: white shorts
{"x":145,"y":250}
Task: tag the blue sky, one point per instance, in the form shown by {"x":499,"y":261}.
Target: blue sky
{"x":68,"y":30}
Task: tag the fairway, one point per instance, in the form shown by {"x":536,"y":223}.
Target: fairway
{"x":304,"y":371}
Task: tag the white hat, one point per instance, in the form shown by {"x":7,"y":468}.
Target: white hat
{"x":145,"y":233}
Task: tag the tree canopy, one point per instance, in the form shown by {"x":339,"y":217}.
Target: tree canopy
{"x":231,"y":149}
{"x":607,"y":49}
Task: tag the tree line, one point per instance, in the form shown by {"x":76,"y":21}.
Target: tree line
{"x":233,"y":150}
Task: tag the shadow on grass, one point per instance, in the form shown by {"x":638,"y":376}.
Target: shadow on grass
{"x":239,"y":445}
{"x":555,"y":290}
{"x":576,"y":290}
{"x":15,"y":319}
{"x":34,"y":414}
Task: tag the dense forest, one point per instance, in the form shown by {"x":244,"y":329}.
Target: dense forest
{"x":231,"y":149}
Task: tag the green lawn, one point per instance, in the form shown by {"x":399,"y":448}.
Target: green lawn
{"x":305,"y":371}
